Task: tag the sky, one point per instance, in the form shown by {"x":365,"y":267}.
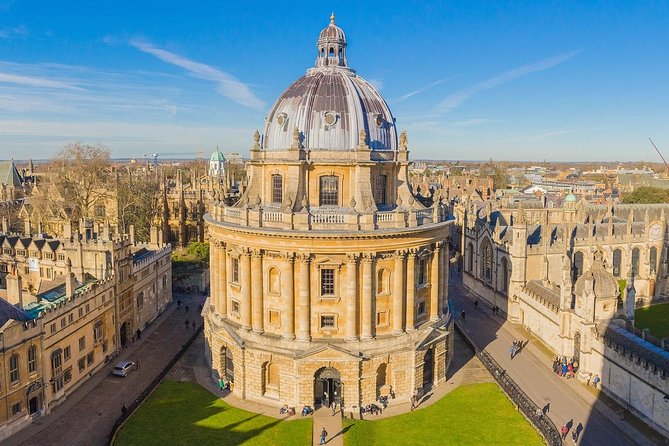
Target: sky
{"x":468,"y":80}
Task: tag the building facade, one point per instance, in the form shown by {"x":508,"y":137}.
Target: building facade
{"x":328,"y":276}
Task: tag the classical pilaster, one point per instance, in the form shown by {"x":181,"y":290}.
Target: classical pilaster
{"x":222,"y":280}
{"x":352,"y":297}
{"x":288,"y":297}
{"x":214,"y":262}
{"x":443,"y":277}
{"x":411,"y":290}
{"x":398,"y":293}
{"x":257,"y":291}
{"x":366,"y":316}
{"x":304,"y":295}
{"x":434,"y":282}
{"x":245,"y":282}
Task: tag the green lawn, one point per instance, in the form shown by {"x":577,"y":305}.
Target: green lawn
{"x":186,"y":414}
{"x":656,"y":318}
{"x":477,"y":414}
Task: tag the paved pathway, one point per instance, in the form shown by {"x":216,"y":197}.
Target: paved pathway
{"x":323,"y":418}
{"x":531,"y":369}
{"x":88,"y":414}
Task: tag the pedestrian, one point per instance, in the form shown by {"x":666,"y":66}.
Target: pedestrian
{"x":564,"y":431}
{"x":220,"y":384}
{"x":139,"y":334}
{"x":124,"y":410}
{"x":476,"y":304}
{"x":512,"y":350}
{"x":179,"y":303}
{"x":574,"y":437}
{"x":546,"y":409}
{"x":413,"y":401}
{"x":595,"y":381}
{"x":334,"y":408}
{"x":186,"y":309}
{"x":463,"y":314}
{"x":589,"y":378}
{"x":324,"y":435}
{"x":187,"y":324}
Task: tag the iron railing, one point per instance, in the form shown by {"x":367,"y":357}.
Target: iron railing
{"x":530,"y":410}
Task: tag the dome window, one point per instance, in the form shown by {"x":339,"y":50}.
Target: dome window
{"x":281,"y":119}
{"x":330,"y":118}
{"x":379,"y":121}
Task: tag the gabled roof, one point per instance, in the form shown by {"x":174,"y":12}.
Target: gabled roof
{"x":9,"y":174}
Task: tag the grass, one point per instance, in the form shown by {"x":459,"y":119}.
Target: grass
{"x":179,"y":413}
{"x":477,"y":414}
{"x":655,"y":318}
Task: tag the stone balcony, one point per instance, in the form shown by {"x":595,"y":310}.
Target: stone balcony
{"x":327,"y":219}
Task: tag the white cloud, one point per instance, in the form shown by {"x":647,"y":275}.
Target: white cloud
{"x":422,"y":89}
{"x":30,"y":81}
{"x":227,"y":85}
{"x":376,"y":83}
{"x":454,"y":100}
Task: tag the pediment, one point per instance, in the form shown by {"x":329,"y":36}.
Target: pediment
{"x":329,"y":352}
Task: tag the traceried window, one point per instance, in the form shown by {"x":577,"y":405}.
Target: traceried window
{"x":635,"y":261}
{"x":32,"y":359}
{"x":577,"y":269}
{"x":380,"y":184}
{"x":653,"y":260}
{"x":617,"y":260}
{"x":505,"y":275}
{"x":140,"y":300}
{"x":14,"y":368}
{"x":277,"y":189}
{"x":57,"y":369}
{"x":327,"y":282}
{"x":329,"y":191}
{"x":486,"y":261}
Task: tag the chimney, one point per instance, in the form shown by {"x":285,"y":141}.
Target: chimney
{"x":69,"y":279}
{"x":131,"y":230}
{"x":154,"y":237}
{"x":14,"y":292}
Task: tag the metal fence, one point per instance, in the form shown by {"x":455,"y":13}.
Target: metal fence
{"x":531,"y":411}
{"x":150,"y":388}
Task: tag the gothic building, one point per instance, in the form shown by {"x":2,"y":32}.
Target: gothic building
{"x":329,"y":277}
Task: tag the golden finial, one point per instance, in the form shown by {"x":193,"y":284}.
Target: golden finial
{"x":332,"y":18}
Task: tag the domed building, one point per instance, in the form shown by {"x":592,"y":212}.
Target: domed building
{"x":329,"y":275}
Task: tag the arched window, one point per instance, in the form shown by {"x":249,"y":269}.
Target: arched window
{"x":32,"y":359}
{"x":653,"y":260}
{"x":380,"y":185}
{"x":332,"y":52}
{"x":617,"y":261}
{"x":277,"y":189}
{"x":505,"y":275}
{"x":14,"y":374}
{"x":140,"y":300}
{"x":382,"y":281}
{"x":577,"y":269}
{"x":635,"y":261}
{"x":329,"y":190}
{"x":470,"y":257}
{"x":486,"y":261}
{"x":98,"y":331}
{"x":274,"y":280}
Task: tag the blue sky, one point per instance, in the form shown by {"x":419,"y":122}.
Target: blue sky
{"x":514,"y":80}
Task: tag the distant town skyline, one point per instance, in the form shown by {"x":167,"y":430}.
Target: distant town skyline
{"x":535,"y":81}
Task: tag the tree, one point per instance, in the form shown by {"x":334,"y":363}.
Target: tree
{"x":500,"y":178}
{"x":83,"y":176}
{"x":647,"y":195}
{"x":137,"y":198}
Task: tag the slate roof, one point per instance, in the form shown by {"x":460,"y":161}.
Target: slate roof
{"x":634,"y":344}
{"x":9,"y":174}
{"x":10,"y":312}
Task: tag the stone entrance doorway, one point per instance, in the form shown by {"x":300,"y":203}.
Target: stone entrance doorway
{"x":124,"y":334}
{"x":428,"y":370}
{"x":327,"y":387}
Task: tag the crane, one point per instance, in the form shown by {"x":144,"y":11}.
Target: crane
{"x":659,"y":153}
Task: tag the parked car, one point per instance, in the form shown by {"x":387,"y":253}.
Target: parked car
{"x":122,"y":368}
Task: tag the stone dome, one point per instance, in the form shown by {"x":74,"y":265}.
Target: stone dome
{"x":330,"y":105}
{"x":217,"y":156}
{"x":597,"y":278}
{"x":570,"y":198}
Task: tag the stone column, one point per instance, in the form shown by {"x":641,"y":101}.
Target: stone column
{"x":434,"y":282}
{"x":288,"y":297}
{"x":352,"y":297}
{"x":398,"y":293}
{"x":304,"y":329}
{"x":411,"y":291}
{"x":367,"y":296}
{"x":257,"y":291}
{"x":222,"y":280}
{"x":445,"y":271}
{"x":245,"y":282}
{"x":214,"y":266}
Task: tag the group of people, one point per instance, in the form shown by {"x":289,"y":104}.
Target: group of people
{"x":222,"y":385}
{"x":564,"y":367}
{"x":372,"y":409}
{"x":575,"y":434}
{"x":516,"y":347}
{"x":307,"y":410}
{"x":285,"y":410}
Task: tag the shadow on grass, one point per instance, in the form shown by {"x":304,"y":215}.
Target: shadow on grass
{"x":185,"y":413}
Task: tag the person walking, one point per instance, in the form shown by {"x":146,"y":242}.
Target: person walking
{"x":220,"y":384}
{"x":476,"y":304}
{"x":463,"y":314}
{"x":179,"y":303}
{"x":413,"y":401}
{"x":324,"y":435}
{"x":563,"y":431}
{"x":139,"y":334}
{"x":595,"y":381}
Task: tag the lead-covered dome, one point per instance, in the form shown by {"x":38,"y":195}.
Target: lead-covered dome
{"x":330,"y":105}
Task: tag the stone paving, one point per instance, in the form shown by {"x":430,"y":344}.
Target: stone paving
{"x":88,"y":414}
{"x":570,"y":401}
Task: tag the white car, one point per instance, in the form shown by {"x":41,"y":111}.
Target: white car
{"x":122,"y":368}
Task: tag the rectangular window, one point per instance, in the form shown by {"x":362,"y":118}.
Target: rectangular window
{"x":98,"y":331}
{"x":16,"y":408}
{"x":89,"y":358}
{"x":82,"y":364}
{"x":53,"y":328}
{"x":104,"y":347}
{"x":382,"y":318}
{"x":62,"y":323}
{"x":88,"y":308}
{"x":67,"y":376}
{"x":82,"y":343}
{"x":380,"y":183}
{"x":327,"y":321}
{"x":329,"y":191}
{"x":61,"y":257}
{"x":277,"y":189}
{"x":235,"y":270}
{"x":81,"y":312}
{"x":327,"y":282}
{"x":422,"y":271}
{"x":70,"y":318}
{"x":32,"y":359}
{"x":235,"y":306}
{"x":48,"y":255}
{"x":273,"y":317}
{"x":66,"y":353}
{"x":421,"y":308}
